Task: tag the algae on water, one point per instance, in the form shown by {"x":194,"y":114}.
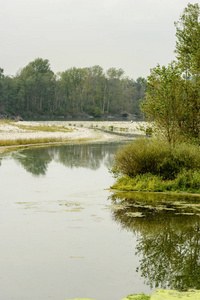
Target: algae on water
{"x":137,"y":297}
{"x":160,"y":295}
{"x":80,"y":299}
{"x":166,"y":295}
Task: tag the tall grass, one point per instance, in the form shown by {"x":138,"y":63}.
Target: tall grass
{"x":186,"y":181}
{"x":31,"y":141}
{"x":44,"y":127}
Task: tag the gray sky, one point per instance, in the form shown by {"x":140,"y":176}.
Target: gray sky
{"x":133,"y":35}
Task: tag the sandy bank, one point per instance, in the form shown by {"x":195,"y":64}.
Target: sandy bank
{"x":78,"y":131}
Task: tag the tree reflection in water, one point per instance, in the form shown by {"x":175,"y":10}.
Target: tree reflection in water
{"x":168,"y":236}
{"x":90,"y":156}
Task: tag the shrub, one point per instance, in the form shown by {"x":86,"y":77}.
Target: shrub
{"x":140,"y":157}
{"x":188,"y":180}
{"x":156,"y":157}
{"x":182,"y":157}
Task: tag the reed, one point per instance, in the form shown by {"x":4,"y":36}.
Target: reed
{"x":44,"y":128}
{"x":30,"y":141}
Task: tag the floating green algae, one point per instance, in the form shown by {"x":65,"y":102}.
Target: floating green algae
{"x":80,"y":299}
{"x":137,"y":297}
{"x":166,"y":295}
{"x":172,"y":294}
{"x":160,"y":295}
{"x":135,"y":214}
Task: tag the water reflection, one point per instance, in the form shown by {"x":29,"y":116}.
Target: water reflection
{"x":91,"y":156}
{"x":168,"y":236}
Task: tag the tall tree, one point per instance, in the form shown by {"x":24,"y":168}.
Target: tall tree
{"x":114,"y":89}
{"x":188,"y":56}
{"x":188,"y":40}
{"x":173,"y":92}
{"x":37,"y":87}
{"x":165,"y":101}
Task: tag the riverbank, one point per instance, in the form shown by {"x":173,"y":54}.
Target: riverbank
{"x":154,"y":166}
{"x":26,"y":134}
{"x":185,"y":182}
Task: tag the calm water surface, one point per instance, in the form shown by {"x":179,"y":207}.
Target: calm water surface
{"x":64,"y":236}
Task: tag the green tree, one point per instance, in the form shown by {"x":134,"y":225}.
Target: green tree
{"x":188,"y":41}
{"x":72,"y":85}
{"x":165,"y":102}
{"x":37,"y":83}
{"x":114,"y":89}
{"x":36,"y":91}
{"x":96,"y":90}
{"x":188,"y":56}
{"x":173,"y":93}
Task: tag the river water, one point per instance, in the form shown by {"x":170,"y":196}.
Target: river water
{"x":64,"y":235}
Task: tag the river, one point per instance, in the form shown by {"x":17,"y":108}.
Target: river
{"x":64,"y":235}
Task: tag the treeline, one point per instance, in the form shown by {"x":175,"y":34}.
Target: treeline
{"x":36,"y":91}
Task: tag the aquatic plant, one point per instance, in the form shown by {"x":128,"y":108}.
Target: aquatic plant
{"x":160,"y":295}
{"x":166,"y":295}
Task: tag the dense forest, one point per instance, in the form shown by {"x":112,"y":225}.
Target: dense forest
{"x":37,"y":92}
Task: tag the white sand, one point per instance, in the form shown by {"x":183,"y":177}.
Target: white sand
{"x":88,"y":131}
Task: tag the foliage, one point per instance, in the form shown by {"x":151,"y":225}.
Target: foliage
{"x":188,"y":42}
{"x":140,"y":157}
{"x":157,"y":157}
{"x":173,"y":93}
{"x":165,"y":101}
{"x":37,"y":91}
{"x":152,"y":165}
{"x":186,"y":181}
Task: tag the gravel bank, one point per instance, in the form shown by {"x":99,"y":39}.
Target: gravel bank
{"x":89,"y":131}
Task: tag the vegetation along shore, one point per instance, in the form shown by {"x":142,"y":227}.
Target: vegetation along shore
{"x":170,"y":160}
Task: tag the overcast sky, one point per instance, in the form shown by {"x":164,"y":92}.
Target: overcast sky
{"x":133,"y":35}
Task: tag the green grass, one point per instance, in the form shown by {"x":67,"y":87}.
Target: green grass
{"x":44,"y":128}
{"x":137,"y":297}
{"x":4,"y":121}
{"x":16,"y":142}
{"x":186,"y":181}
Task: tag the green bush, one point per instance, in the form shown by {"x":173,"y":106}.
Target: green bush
{"x":188,"y":180}
{"x":140,"y":157}
{"x":182,"y":157}
{"x":156,"y":157}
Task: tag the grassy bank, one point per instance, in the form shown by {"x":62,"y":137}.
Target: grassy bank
{"x":157,"y":167}
{"x":186,"y":181}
